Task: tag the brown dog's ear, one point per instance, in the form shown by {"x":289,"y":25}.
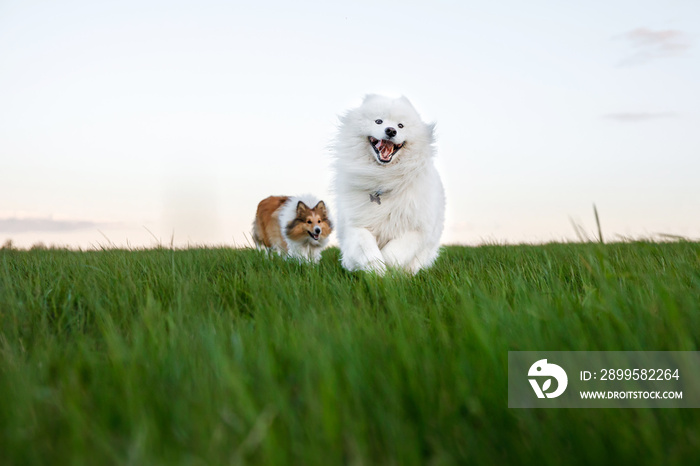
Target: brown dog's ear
{"x":302,"y":209}
{"x":321,"y":209}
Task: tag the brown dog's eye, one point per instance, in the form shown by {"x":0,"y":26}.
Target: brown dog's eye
{"x":319,"y":221}
{"x":400,"y":125}
{"x":309,"y":222}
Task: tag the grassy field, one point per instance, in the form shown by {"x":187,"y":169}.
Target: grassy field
{"x":218,"y":356}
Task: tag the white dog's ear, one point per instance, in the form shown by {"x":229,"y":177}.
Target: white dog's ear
{"x":407,"y":102}
{"x":369,"y":98}
{"x":431,"y":131}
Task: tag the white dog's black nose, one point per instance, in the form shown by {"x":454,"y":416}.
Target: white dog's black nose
{"x":391,"y":132}
{"x":317,"y":230}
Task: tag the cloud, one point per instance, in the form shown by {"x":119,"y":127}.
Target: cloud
{"x":47,"y":224}
{"x":649,"y":44}
{"x":636,"y":117}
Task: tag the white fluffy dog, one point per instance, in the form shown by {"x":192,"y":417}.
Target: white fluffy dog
{"x":390,"y":203}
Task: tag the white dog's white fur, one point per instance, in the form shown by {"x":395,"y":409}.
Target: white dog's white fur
{"x":390,"y":212}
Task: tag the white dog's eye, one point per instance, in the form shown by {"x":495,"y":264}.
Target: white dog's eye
{"x":400,"y":125}
{"x":379,"y":122}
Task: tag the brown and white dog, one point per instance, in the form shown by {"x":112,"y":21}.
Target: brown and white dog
{"x":288,"y":226}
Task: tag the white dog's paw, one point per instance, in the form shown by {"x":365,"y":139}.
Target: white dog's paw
{"x":401,"y":252}
{"x":364,"y":264}
{"x":375,"y":266}
{"x":394,"y":258}
{"x":360,"y":252}
{"x":411,"y":266}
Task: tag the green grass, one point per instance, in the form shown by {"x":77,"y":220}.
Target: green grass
{"x":218,"y":356}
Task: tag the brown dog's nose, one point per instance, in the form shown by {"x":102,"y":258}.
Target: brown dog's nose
{"x":391,"y":132}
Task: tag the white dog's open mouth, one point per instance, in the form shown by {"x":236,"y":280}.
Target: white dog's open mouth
{"x":384,"y":149}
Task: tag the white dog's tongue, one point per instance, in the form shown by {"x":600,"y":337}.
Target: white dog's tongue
{"x":385,"y":149}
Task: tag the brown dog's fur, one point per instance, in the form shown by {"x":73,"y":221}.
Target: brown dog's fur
{"x":266,"y":228}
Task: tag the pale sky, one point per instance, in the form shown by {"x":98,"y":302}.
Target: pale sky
{"x":121,"y":121}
